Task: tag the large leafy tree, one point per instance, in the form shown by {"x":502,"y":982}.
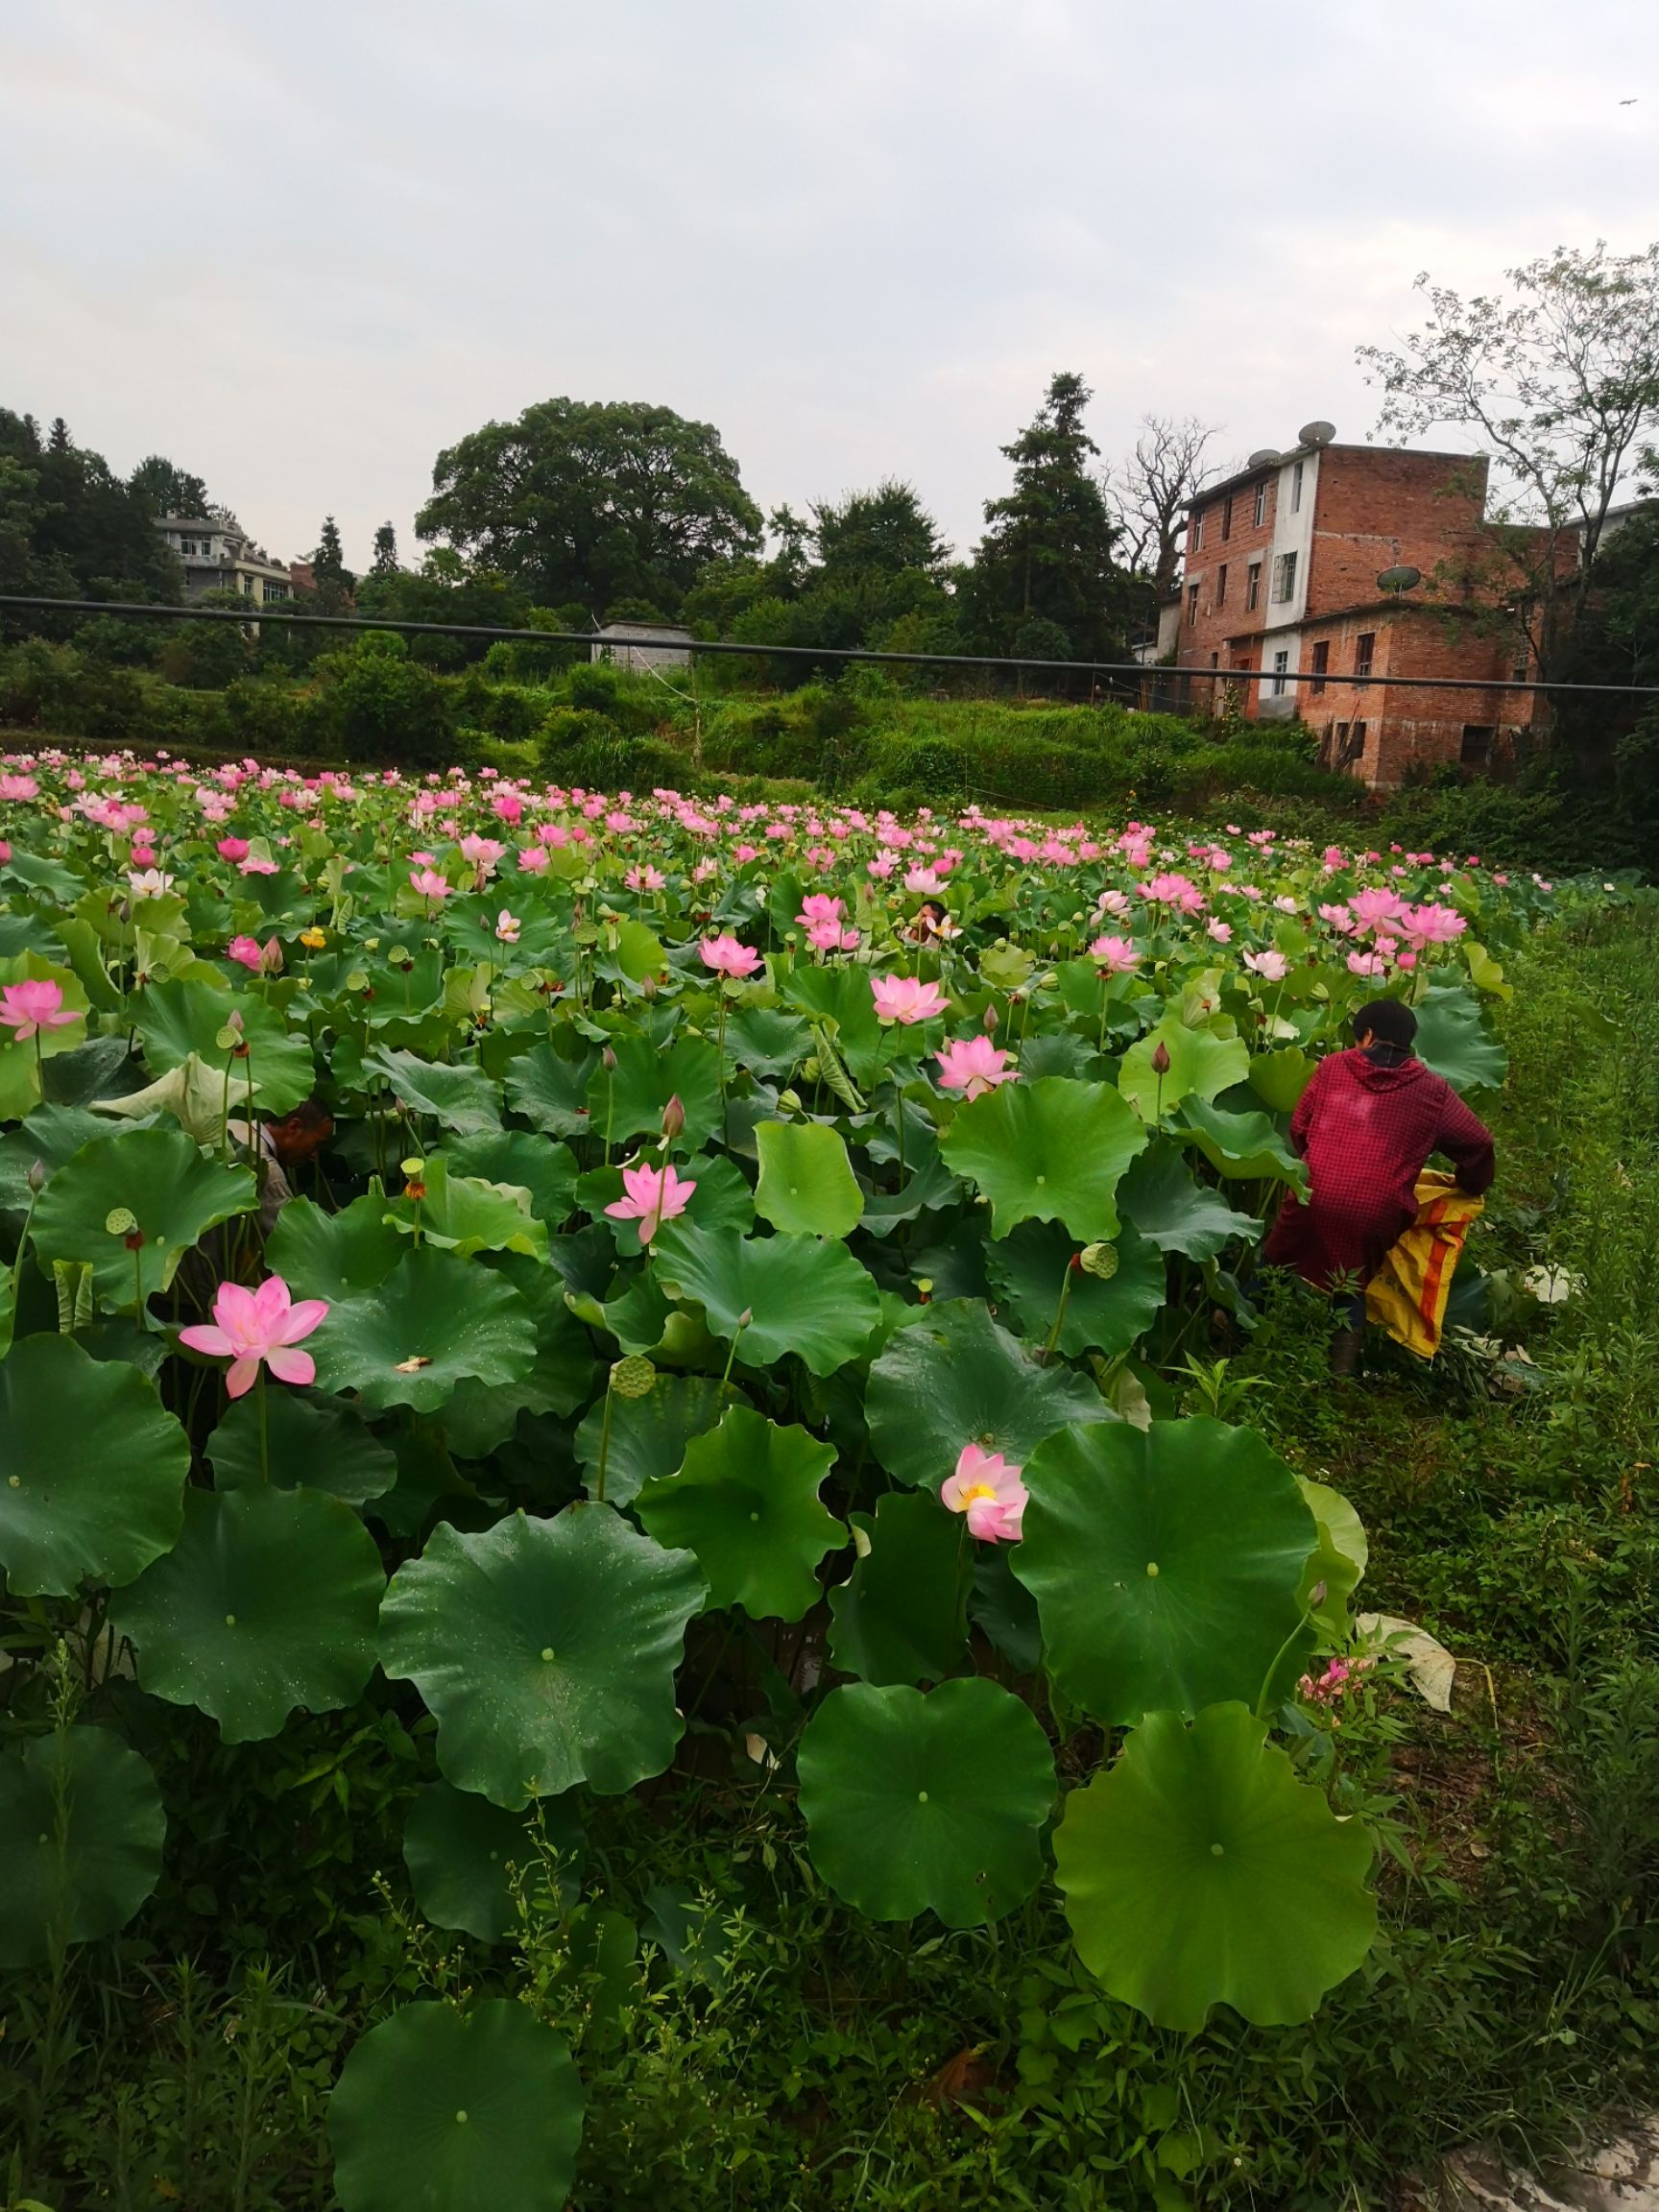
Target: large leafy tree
{"x":595,"y":502}
{"x":1043,"y":580}
{"x":169,"y":489}
{"x":69,"y":528}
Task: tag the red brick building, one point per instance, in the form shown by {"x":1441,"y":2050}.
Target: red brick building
{"x":1281,"y":568}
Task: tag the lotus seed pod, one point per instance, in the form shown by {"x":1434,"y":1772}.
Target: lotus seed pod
{"x":1100,"y":1261}
{"x":120,"y":1221}
{"x":227,"y":1040}
{"x":1047,"y":980}
{"x":633,"y":1377}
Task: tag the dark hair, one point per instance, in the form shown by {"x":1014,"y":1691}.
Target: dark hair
{"x":1387,"y":1021}
{"x":934,"y":906}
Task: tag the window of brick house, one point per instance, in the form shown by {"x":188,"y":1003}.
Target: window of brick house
{"x":1364,"y":652}
{"x":1215,"y":659}
{"x":1283,"y":579}
{"x":1476,"y":749}
{"x":1281,"y":668}
{"x":1197,"y":526}
{"x":1321,"y":663}
{"x":1227,"y":516}
{"x":1192,"y":605}
{"x":1253,"y":584}
{"x":1221,"y":585}
{"x":1296,"y":489}
{"x":1261,"y":503}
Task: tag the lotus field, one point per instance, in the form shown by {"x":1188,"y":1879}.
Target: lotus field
{"x":725,"y":1336}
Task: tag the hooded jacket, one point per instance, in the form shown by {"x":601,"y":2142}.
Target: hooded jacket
{"x":1366,"y":1132}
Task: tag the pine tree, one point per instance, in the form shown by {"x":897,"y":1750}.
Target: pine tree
{"x":330,"y":577}
{"x":59,"y":441}
{"x":385,"y":562}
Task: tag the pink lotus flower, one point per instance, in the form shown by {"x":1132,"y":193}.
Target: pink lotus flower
{"x":1431,"y":925}
{"x":728,"y":955}
{"x":644,"y":879}
{"x":254,"y":1326}
{"x":429,"y":883}
{"x":903,"y":999}
{"x":508,"y":926}
{"x":18,"y":787}
{"x":1272,"y":967}
{"x":990,"y":1492}
{"x":149,"y":883}
{"x":258,"y":959}
{"x":819,"y":907}
{"x":830,"y":937}
{"x":1220,"y":932}
{"x":654,"y":1195}
{"x":1113,"y":903}
{"x":925,"y":879}
{"x":972,"y":1066}
{"x":255,"y":864}
{"x":30,"y":1006}
{"x":1367,"y":964}
{"x":1115,"y":955}
{"x":481,"y":853}
{"x":1373,"y":907}
{"x":533,"y":859}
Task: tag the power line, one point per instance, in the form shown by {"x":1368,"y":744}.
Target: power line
{"x":1154,"y":673}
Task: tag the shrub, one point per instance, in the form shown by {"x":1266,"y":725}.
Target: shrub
{"x":381,"y":705}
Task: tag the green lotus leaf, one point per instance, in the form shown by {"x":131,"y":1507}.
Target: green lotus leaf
{"x":800,"y":1295}
{"x":513,"y":1156}
{"x":746,"y":1502}
{"x":648,"y":1435}
{"x":307,"y":1439}
{"x":902,"y":1617}
{"x":334,"y":1256}
{"x":1166,"y":1563}
{"x":1159,"y":1198}
{"x":916,"y":1803}
{"x":955,"y":1378}
{"x":176,"y":1019}
{"x":1001,"y":1605}
{"x":1052,"y":1150}
{"x":267,"y":1602}
{"x":1201,"y":1066}
{"x":1280,"y":1078}
{"x":1455,"y":1039}
{"x":479,"y":1417}
{"x":1106,"y":1314}
{"x":461,"y":1214}
{"x":52,"y":1135}
{"x":1338,"y":1560}
{"x":462,"y":1099}
{"x":638,"y":951}
{"x":461,"y":1852}
{"x":158,"y":1175}
{"x":443,"y":2111}
{"x":94,"y":1469}
{"x":767,"y":1040}
{"x":631,"y":1098}
{"x":1242,"y":1147}
{"x":807,"y":1186}
{"x":551,"y":1091}
{"x":80,"y":1834}
{"x":1198,"y":1871}
{"x":546,"y":1650}
{"x":434,"y":1321}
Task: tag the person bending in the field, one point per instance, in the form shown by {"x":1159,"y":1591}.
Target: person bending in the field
{"x":1367,"y":1125}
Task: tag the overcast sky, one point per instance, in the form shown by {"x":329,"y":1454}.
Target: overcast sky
{"x":299,"y":247}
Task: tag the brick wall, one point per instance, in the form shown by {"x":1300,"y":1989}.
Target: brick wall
{"x":1369,"y":497}
{"x":1223,"y":610}
{"x":1404,"y":727}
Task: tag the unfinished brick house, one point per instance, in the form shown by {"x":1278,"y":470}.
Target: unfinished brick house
{"x":1282,"y":569}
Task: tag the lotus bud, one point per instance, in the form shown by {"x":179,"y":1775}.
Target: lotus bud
{"x":1315,"y":1597}
{"x":988,"y":1020}
{"x":607,"y":1059}
{"x":746,"y":1316}
{"x":233,"y":1019}
{"x":673,"y":1119}
{"x":1160,"y":1058}
{"x":790,"y":1101}
{"x":36,"y":1176}
{"x":1047,"y":980}
{"x":271,"y":957}
{"x":647,"y":987}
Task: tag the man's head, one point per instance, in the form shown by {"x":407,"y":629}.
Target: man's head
{"x":299,"y":1136}
{"x":1385,"y":1022}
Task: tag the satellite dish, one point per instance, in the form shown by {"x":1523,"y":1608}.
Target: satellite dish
{"x":1316,"y":433}
{"x":1263,"y":457}
{"x":1402,"y":577}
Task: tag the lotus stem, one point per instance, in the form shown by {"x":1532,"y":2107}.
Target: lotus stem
{"x":264,"y":1430}
{"x":1049,"y":1348}
{"x":604,"y":1446}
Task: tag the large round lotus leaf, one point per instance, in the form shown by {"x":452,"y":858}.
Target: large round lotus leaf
{"x":806,"y":1186}
{"x":1105,"y":1315}
{"x":1159,"y":1198}
{"x":903,"y":1615}
{"x":918,"y":1802}
{"x":334,"y":1256}
{"x":955,"y":1378}
{"x":462,"y":1853}
{"x":1242,"y":1147}
{"x":462,"y":1215}
{"x":648,"y":1434}
{"x":1052,"y":1150}
{"x":311,"y":1440}
{"x":175,"y":1019}
{"x":513,"y":1156}
{"x":1166,"y":1564}
{"x":800,"y":1295}
{"x":1453,"y":1039}
{"x":1198,"y":1871}
{"x":267,"y":1602}
{"x":462,"y":1099}
{"x":81,"y":1835}
{"x":1280,"y":1078}
{"x":631,"y":1098}
{"x":1201,"y":1066}
{"x":767,"y":1040}
{"x":547,"y":1649}
{"x":432,"y":1322}
{"x":746,"y":1502}
{"x":92,"y":1469}
{"x":549,"y":1091}
{"x":442,"y":2112}
{"x":161,"y":1178}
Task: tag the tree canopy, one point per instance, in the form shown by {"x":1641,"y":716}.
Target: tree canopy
{"x":69,"y":527}
{"x":592,"y":503}
{"x":168,"y":489}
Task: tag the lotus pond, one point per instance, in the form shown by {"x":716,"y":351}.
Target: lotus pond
{"x":653,"y":1294}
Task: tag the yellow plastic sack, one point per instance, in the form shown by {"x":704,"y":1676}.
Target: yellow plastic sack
{"x":1408,"y":1292}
